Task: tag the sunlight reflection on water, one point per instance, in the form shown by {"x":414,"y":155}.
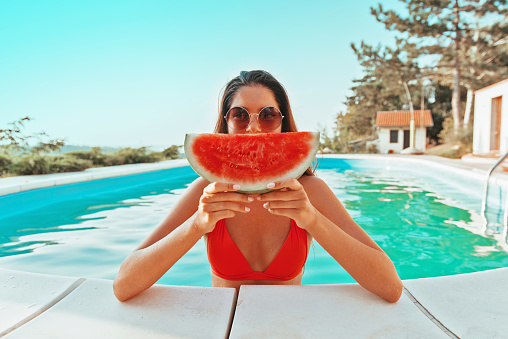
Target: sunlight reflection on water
{"x":427,"y":227}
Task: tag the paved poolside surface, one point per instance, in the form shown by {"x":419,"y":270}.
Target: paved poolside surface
{"x":473,"y":305}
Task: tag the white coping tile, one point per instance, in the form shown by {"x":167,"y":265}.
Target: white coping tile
{"x":24,"y":183}
{"x":92,"y":311}
{"x":99,"y":175}
{"x":38,"y":184}
{"x":73,"y":179}
{"x":473,"y":305}
{"x":10,"y":189}
{"x":326,"y":311}
{"x":24,"y":296}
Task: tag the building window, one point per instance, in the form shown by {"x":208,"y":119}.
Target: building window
{"x":394,"y":136}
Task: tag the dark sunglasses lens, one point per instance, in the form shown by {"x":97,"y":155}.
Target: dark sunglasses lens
{"x":269,"y":118}
{"x":238,"y":118}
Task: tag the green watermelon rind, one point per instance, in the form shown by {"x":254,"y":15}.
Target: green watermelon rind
{"x":259,"y":187}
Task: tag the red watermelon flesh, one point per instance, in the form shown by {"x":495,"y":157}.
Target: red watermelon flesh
{"x":251,"y":160}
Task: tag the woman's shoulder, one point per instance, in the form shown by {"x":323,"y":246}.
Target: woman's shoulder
{"x":316,"y":189}
{"x":197,"y":186}
{"x":311,"y":181}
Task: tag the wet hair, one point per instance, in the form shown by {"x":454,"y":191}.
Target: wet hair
{"x":257,"y":78}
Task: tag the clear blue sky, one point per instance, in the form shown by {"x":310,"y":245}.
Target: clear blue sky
{"x":144,"y":73}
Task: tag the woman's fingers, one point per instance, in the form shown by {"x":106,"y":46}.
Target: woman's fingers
{"x":290,"y":183}
{"x":216,"y":187}
{"x":280,"y":195}
{"x":224,"y":205}
{"x":289,"y":189}
{"x":298,"y":204}
{"x":227,"y":196}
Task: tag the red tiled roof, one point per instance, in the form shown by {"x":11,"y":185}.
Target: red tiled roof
{"x":403,"y":118}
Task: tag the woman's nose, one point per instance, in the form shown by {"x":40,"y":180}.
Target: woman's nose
{"x":253,"y":126}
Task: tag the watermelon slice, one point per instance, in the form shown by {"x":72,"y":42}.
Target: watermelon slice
{"x":251,"y":160}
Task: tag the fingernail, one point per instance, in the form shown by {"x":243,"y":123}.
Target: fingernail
{"x":236,"y":187}
{"x":270,"y":185}
{"x":247,"y":209}
{"x":265,"y":205}
{"x":250,"y":198}
{"x":259,"y":197}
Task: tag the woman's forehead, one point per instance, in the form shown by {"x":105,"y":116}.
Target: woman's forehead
{"x":254,"y":97}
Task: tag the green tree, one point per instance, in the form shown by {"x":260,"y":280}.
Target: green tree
{"x":459,"y":37}
{"x":386,"y":72}
{"x":12,"y":138}
{"x":172,"y":152}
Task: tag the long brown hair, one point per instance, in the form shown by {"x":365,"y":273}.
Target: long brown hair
{"x":257,"y":78}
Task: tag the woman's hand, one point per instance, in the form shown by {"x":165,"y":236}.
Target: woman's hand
{"x":291,"y":201}
{"x":219,"y":201}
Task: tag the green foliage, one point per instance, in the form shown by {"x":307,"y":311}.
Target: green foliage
{"x":341,"y":140}
{"x":136,"y":155}
{"x":172,"y":152}
{"x":47,"y":146}
{"x":459,"y":143}
{"x":467,"y":50}
{"x":31,"y":164}
{"x":17,"y":157}
{"x":5,"y":162}
{"x":95,"y":156}
{"x":442,"y":49}
{"x":331,"y":143}
{"x":13,"y":139}
{"x":447,"y":134}
{"x":125,"y":156}
{"x":61,"y":164}
{"x":46,"y":164}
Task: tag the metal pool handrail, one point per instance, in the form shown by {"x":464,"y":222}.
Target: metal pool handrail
{"x":486,"y":189}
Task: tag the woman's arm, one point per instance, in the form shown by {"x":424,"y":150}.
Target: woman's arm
{"x":315,"y":208}
{"x":194,"y":215}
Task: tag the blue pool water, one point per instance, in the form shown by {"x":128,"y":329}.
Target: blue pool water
{"x":425,"y":218}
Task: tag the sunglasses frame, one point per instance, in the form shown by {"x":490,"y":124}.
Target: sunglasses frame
{"x":257,"y":117}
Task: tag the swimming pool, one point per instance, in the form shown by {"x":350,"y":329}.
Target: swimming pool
{"x":425,"y":216}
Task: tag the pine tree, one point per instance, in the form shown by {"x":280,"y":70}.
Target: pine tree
{"x":386,"y":70}
{"x":453,"y":33}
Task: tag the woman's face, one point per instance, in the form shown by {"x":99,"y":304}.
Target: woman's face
{"x":254,"y":99}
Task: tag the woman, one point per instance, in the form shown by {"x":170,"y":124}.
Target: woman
{"x":258,"y":239}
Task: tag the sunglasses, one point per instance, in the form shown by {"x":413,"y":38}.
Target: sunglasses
{"x":238,"y":118}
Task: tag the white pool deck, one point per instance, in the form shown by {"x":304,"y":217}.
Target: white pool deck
{"x":34,"y":305}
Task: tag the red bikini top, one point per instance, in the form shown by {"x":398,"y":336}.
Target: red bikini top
{"x":228,"y":262}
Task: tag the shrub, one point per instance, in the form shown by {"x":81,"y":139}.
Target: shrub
{"x":5,"y":162}
{"x":68,"y":164}
{"x":114,"y":160}
{"x":172,"y":152}
{"x":463,"y":139}
{"x":95,"y":155}
{"x":40,"y":164}
{"x":136,"y":155}
{"x":85,"y":155}
{"x":31,"y":164}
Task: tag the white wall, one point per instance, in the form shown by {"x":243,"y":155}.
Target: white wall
{"x":482,"y":117}
{"x":384,"y":139}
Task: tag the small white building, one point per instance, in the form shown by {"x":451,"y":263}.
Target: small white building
{"x":490,"y":133}
{"x":393,"y":130}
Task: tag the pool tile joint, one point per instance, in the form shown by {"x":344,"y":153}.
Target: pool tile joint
{"x":429,"y":315}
